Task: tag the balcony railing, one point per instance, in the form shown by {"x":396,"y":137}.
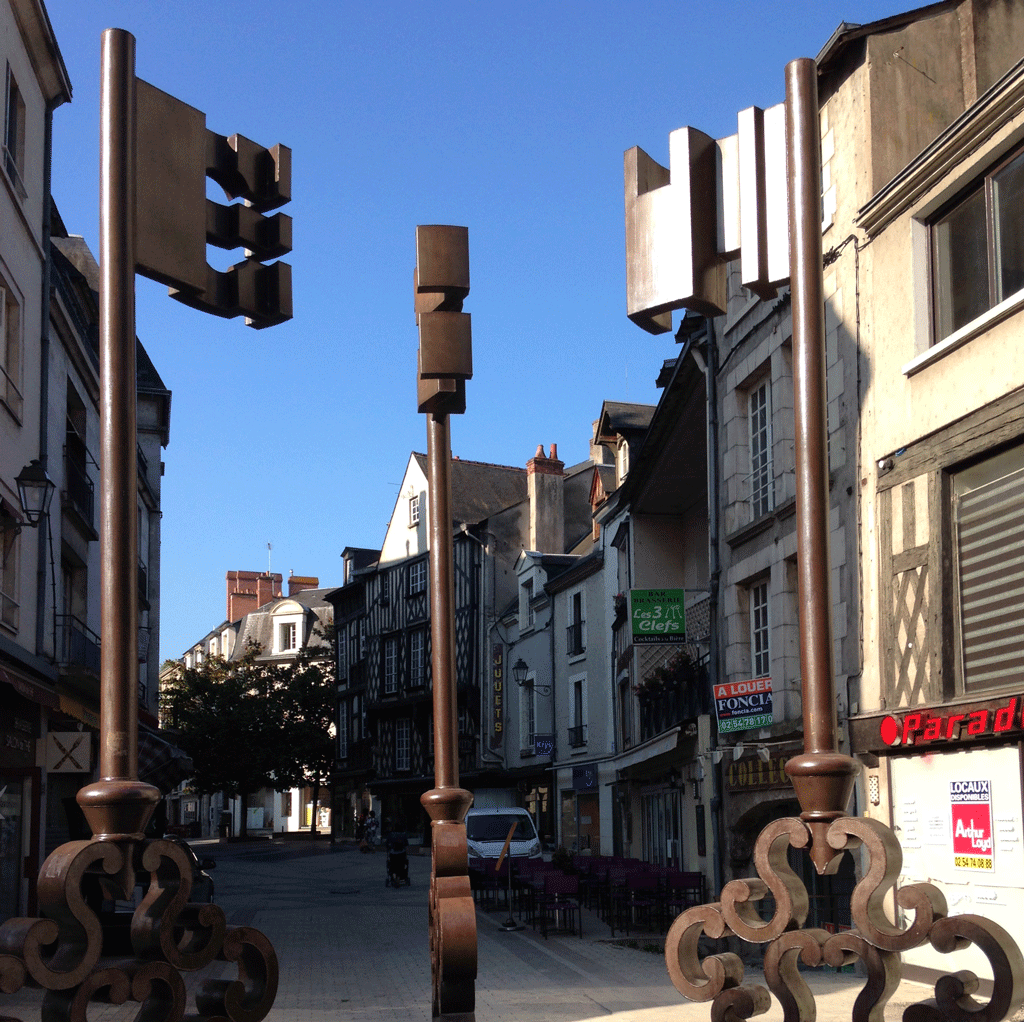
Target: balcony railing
{"x":578,"y":736}
{"x":665,"y":708}
{"x":574,"y":638}
{"x":80,"y":489}
{"x":77,"y":644}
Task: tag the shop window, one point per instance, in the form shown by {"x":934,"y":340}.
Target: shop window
{"x":978,"y":248}
{"x":988,"y":522}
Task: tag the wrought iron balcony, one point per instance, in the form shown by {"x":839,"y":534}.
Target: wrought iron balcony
{"x":578,"y":736}
{"x":79,"y":489}
{"x":574,"y":639}
{"x":77,"y":644}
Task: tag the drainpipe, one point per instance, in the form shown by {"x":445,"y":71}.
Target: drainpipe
{"x":714,"y":582}
{"x":44,"y":373}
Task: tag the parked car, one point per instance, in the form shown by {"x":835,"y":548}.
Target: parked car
{"x":487,"y":830}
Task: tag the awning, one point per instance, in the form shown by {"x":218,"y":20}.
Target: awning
{"x":28,"y":689}
{"x":655,"y":747}
{"x":162,"y":763}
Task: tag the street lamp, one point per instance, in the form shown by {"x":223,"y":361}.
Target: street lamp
{"x":520,"y":670}
{"x":35,"y":491}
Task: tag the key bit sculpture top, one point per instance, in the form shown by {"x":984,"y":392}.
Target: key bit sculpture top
{"x":155,"y":154}
{"x":445,"y":363}
{"x":680,"y":230}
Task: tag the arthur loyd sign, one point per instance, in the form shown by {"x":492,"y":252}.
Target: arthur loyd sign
{"x":971,"y":806}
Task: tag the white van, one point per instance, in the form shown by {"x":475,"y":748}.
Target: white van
{"x":487,"y":829}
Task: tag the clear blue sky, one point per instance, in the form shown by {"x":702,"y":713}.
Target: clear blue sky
{"x":509,"y":118}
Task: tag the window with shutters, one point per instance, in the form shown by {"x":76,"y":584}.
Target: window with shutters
{"x":988,"y":524}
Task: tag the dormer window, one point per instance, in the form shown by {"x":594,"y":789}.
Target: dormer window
{"x":287,"y":637}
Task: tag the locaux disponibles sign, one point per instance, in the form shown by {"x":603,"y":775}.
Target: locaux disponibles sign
{"x":971,"y":807}
{"x":658,"y":615}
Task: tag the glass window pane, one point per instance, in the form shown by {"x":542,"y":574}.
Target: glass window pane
{"x":1008,"y":201}
{"x":961,"y":266}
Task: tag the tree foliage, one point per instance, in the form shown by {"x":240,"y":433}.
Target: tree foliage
{"x":252,"y":723}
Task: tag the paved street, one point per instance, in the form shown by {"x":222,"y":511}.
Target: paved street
{"x":352,"y":949}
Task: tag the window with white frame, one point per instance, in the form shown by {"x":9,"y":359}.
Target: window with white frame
{"x":577,"y":711}
{"x":390,"y":665}
{"x":417,"y":658}
{"x":527,"y":614}
{"x":342,"y":655}
{"x":988,"y":524}
{"x":14,"y":135}
{"x":414,"y":510}
{"x":527,"y":715}
{"x":576,"y":630}
{"x":403,"y":733}
{"x":286,"y":636}
{"x":343,"y":729}
{"x":9,"y":606}
{"x":10,"y":351}
{"x":977,"y":246}
{"x":214,"y":646}
{"x":385,"y":587}
{"x":760,"y":657}
{"x":417,"y":577}
{"x":759,"y":410}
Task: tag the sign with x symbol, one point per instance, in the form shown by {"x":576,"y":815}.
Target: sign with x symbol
{"x":68,"y":752}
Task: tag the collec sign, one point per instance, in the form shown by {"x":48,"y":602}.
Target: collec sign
{"x":953,"y":723}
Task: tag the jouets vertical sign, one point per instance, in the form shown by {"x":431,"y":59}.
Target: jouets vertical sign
{"x":971,"y":806}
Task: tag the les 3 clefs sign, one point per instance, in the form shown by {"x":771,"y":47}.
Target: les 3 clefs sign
{"x":922,"y":727}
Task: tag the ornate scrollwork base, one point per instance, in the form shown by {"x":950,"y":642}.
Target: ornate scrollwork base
{"x":875,"y":941}
{"x":63,"y":950}
{"x":452,"y":916}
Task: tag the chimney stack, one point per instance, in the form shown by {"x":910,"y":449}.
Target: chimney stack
{"x":268,"y":587}
{"x":545,"y":483}
{"x":241,"y":594}
{"x":297,"y":583}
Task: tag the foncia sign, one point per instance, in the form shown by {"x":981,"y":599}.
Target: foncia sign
{"x":922,"y":726}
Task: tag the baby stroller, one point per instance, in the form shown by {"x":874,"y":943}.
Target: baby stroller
{"x":398,"y":860}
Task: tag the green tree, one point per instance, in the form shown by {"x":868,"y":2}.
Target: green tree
{"x":306,"y":695}
{"x":227,"y":719}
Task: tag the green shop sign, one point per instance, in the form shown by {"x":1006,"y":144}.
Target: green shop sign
{"x":658,"y":615}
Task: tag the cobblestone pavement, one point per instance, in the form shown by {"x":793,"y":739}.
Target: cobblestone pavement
{"x":351,"y":948}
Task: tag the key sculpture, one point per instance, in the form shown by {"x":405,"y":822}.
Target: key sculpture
{"x":682,"y":225}
{"x":445,"y":363}
{"x":155,"y":155}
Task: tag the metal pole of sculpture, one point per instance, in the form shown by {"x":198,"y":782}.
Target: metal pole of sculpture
{"x":445,"y":363}
{"x":64,"y":950}
{"x":822,"y":777}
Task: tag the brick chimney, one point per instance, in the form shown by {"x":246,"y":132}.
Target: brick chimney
{"x":268,"y":587}
{"x":545,"y":485}
{"x":297,"y":583}
{"x":241,"y":594}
